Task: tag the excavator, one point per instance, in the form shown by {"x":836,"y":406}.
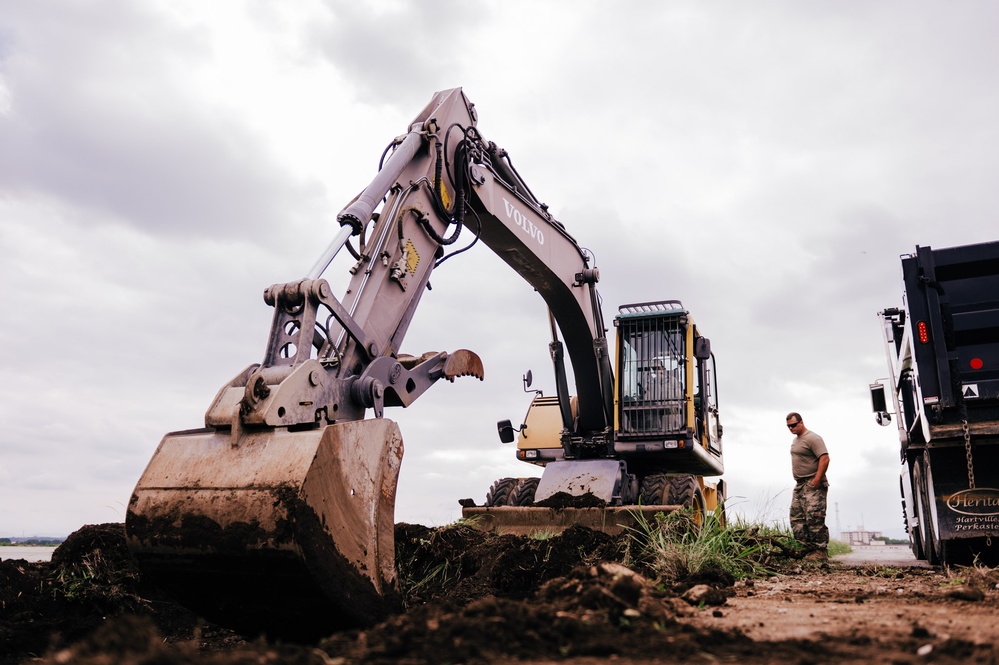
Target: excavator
{"x":278,"y":515}
{"x":665,"y":438}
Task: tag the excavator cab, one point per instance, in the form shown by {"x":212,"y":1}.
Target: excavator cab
{"x":666,"y":412}
{"x":665,"y":406}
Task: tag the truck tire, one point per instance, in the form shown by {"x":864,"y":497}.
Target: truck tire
{"x":499,"y":492}
{"x":686,"y":491}
{"x":932,"y":545}
{"x":915,"y":537}
{"x":523,"y":492}
{"x":926,"y":531}
{"x":655,"y":490}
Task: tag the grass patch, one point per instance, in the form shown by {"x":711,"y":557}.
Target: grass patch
{"x":674,"y":548}
{"x":837,"y":547}
{"x":544,"y":534}
{"x":97,"y":581}
{"x":887,"y":572}
{"x":432,"y":558}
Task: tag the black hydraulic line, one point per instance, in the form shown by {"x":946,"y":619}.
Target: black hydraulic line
{"x":437,"y":198}
{"x":557,"y":351}
{"x":353,"y":252}
{"x":507,"y":164}
{"x":424,"y":222}
{"x":605,"y":373}
{"x":438,"y":170}
{"x":390,"y":146}
{"x":475,"y":239}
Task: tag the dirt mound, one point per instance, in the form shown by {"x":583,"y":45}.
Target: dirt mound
{"x":470,"y":597}
{"x":475,"y":598}
{"x":107,"y":540}
{"x":91,"y":593}
{"x":92,"y":577}
{"x":561,"y":500}
{"x":599,"y":611}
{"x":460,"y":564}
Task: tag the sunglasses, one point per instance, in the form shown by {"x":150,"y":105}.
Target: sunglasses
{"x":793,"y":425}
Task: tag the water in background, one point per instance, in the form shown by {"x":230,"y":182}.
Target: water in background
{"x":29,"y":553}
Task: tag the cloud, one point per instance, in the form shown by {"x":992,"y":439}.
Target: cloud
{"x":394,"y":53}
{"x":163,"y":163}
{"x":111,"y":125}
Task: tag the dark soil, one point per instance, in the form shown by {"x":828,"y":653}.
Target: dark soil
{"x":477,"y":598}
{"x":565,"y":500}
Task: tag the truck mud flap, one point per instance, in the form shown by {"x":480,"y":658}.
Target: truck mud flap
{"x":962,"y":512}
{"x":292,"y":531}
{"x":537,"y":521}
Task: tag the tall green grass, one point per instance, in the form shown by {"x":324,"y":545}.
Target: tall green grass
{"x":674,"y":546}
{"x":838,"y":547}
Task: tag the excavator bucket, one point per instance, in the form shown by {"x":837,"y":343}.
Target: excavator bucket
{"x":288,"y":532}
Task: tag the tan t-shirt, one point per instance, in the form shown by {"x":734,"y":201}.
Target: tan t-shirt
{"x":805,"y":453}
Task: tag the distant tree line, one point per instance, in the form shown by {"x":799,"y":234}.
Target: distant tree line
{"x":38,"y":542}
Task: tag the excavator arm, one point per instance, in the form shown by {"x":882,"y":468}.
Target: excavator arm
{"x":521,"y":231}
{"x":327,"y":359}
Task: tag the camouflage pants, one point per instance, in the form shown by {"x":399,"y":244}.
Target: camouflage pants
{"x":808,"y":514}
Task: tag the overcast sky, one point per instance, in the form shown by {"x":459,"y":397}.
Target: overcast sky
{"x":161,"y":163}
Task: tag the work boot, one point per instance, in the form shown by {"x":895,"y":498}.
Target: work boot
{"x":820,"y":554}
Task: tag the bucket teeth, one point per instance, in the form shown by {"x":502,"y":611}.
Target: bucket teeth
{"x":463,"y":363}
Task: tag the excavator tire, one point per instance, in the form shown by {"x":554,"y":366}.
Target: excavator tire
{"x":655,"y":489}
{"x":684,"y":490}
{"x":523,"y":493}
{"x":500,"y":491}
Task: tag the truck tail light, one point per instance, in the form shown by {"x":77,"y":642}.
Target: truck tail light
{"x":923,"y":332}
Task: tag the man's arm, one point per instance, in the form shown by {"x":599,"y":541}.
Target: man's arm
{"x":821,"y":473}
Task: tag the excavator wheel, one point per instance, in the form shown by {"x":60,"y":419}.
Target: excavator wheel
{"x":685,"y":491}
{"x":523,"y":493}
{"x":500,"y":491}
{"x":655,"y":489}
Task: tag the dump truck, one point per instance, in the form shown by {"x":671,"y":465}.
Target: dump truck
{"x":942,"y":347}
{"x":278,"y":514}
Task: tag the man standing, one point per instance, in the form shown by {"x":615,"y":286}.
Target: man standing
{"x":809,"y":461}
